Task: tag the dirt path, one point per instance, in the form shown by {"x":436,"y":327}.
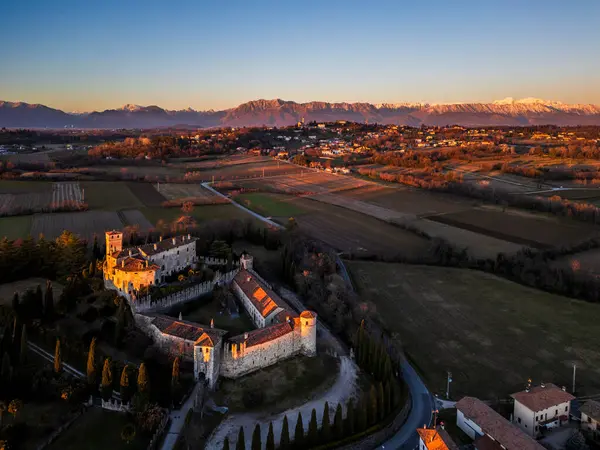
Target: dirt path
{"x":344,"y":389}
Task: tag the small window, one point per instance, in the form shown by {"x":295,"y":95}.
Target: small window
{"x":556,"y":412}
{"x":519,"y":420}
{"x":566,"y":408}
{"x":536,"y":428}
{"x":589,"y":420}
{"x":525,"y":425}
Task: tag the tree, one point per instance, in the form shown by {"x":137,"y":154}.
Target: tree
{"x":350,"y":423}
{"x":175,"y":377}
{"x":380,"y":402}
{"x":372,"y":407}
{"x":91,"y":364}
{"x":6,"y":370}
{"x":241,"y":440}
{"x":143,"y":382}
{"x":120,"y":325}
{"x":107,"y":380}
{"x":338,"y":423}
{"x":387,"y":398}
{"x":48,"y":301}
{"x":96,"y":249}
{"x":270,"y":438}
{"x":39,"y":302}
{"x":226,"y":443}
{"x":313,"y":429}
{"x":2,"y":409}
{"x":256,"y":440}
{"x":23,"y":352}
{"x":14,"y":407}
{"x":57,"y":357}
{"x":125,"y":389}
{"x":128,"y":433}
{"x":361,"y":416}
{"x":325,"y":426}
{"x":284,"y":440}
{"x":299,"y":432}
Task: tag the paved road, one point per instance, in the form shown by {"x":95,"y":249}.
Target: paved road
{"x":50,"y":357}
{"x":178,"y":420}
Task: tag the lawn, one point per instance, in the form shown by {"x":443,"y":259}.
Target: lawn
{"x":200,"y":213}
{"x":269,"y":204}
{"x":491,"y":334}
{"x":98,"y":429}
{"x":109,"y":195}
{"x":15,"y":227}
{"x":292,"y":382}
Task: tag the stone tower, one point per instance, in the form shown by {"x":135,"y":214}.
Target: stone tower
{"x":246,"y":261}
{"x":114,"y":242}
{"x":308,"y":332}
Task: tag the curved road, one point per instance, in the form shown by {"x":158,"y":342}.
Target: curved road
{"x":423,"y":403}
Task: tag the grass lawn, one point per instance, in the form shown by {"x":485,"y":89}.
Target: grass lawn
{"x":97,"y":429}
{"x":491,"y":334}
{"x":109,"y":195}
{"x":19,"y":187}
{"x":15,"y":227}
{"x":8,"y":289}
{"x":270,"y":204}
{"x":290,"y":383}
{"x":200,"y":213}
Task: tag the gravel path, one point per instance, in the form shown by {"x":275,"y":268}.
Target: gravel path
{"x":344,"y":388}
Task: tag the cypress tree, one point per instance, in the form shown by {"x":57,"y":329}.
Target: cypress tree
{"x":6,"y":370}
{"x":270,"y":445}
{"x":15,"y":303}
{"x":256,"y":441}
{"x":57,"y":357}
{"x":124,"y":385}
{"x":107,"y":380}
{"x":299,"y":432}
{"x":92,"y":268}
{"x":39,"y":302}
{"x":241,"y":440}
{"x":23,"y":353}
{"x":338,"y":423}
{"x":226,"y":443}
{"x":380,"y":402}
{"x":372,"y":358}
{"x":387,"y":398}
{"x":387,"y":368}
{"x":350,"y":423}
{"x":394,"y":394}
{"x":325,"y":426}
{"x":48,"y":301}
{"x":120,"y":326}
{"x":313,"y":429}
{"x":372,"y":406}
{"x":91,"y":364}
{"x":175,"y":378}
{"x":143,"y":382}
{"x":96,"y":248}
{"x":284,"y":440}
{"x":361,"y":416}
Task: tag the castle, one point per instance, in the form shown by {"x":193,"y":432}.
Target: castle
{"x":281,"y":332}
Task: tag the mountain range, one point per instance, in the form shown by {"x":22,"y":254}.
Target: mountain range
{"x":529,"y":111}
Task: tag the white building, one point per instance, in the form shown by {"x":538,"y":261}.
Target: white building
{"x":590,"y":416}
{"x":490,"y":430}
{"x":544,"y":406}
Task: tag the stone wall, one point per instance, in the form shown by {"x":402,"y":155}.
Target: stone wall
{"x":166,"y":343}
{"x":115,"y":405}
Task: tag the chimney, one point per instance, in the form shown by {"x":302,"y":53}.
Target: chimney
{"x":122,"y":263}
{"x":174,"y":239}
{"x":564,"y":389}
{"x":248,"y":279}
{"x":129,"y":252}
{"x":542,"y":385}
{"x":245,"y":336}
{"x":180,"y":316}
{"x":160,"y":239}
{"x":189,"y":237}
{"x":442,"y":426}
{"x":146,"y":263}
{"x":212,"y":323}
{"x":155,"y":247}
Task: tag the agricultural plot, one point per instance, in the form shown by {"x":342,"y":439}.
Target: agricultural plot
{"x":270,"y":204}
{"x":36,"y":158}
{"x":15,"y":227}
{"x":135,"y":218}
{"x":491,"y":334}
{"x":587,"y":261}
{"x":146,"y":193}
{"x":179,"y":193}
{"x":307,"y":182}
{"x":66,"y":194}
{"x":198,"y":213}
{"x":248,"y":170}
{"x":54,"y":196}
{"x":86,"y":224}
{"x":520,"y":228}
{"x":109,"y":195}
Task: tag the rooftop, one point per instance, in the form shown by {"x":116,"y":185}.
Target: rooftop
{"x":133,"y":264}
{"x":264,"y":299}
{"x":166,"y":244}
{"x":436,"y":439}
{"x":496,"y":426}
{"x":189,"y":331}
{"x":263,"y":335}
{"x":539,"y":398}
{"x":592,"y":409}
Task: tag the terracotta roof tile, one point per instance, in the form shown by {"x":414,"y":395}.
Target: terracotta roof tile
{"x":436,"y":439}
{"x":540,"y":398}
{"x":189,"y":331}
{"x":263,"y":335}
{"x":165,"y":244}
{"x":493,"y":424}
{"x":131,"y":264}
{"x":264,"y":299}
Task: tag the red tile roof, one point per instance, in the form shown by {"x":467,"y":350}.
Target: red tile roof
{"x":540,"y":398}
{"x":165,"y":244}
{"x":492,"y":423}
{"x":486,"y":443}
{"x":263,"y":335}
{"x":264,"y":299}
{"x":436,"y":439}
{"x":132,"y":264}
{"x":189,"y":331}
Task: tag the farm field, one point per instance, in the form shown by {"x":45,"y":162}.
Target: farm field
{"x":38,"y":157}
{"x":587,"y":261}
{"x":16,"y":227}
{"x":109,"y":195}
{"x":353,"y":232}
{"x":491,"y":334}
{"x":215,"y":163}
{"x":86,"y":224}
{"x":195,"y":193}
{"x":97,"y":429}
{"x":524,"y":229}
{"x":307,"y":182}
{"x":8,"y":289}
{"x":199,"y":213}
{"x":269,"y":204}
{"x":228,"y":172}
{"x":53,"y":196}
{"x":23,"y":187}
{"x":146,"y":193}
{"x":134,"y":217}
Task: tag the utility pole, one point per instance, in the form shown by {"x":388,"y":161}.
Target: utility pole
{"x":448,"y":385}
{"x":435,"y":413}
{"x":574,"y":370}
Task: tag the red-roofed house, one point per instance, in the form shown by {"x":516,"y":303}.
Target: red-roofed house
{"x":435,"y":439}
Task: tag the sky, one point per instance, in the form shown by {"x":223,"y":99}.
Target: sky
{"x":93,"y":55}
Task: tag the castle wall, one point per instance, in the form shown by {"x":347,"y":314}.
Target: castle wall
{"x":176,"y":259}
{"x":207,"y":360}
{"x":257,"y":318}
{"x":166,"y":343}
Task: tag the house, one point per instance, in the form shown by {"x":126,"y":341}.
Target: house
{"x":543,"y":406}
{"x":488,"y":429}
{"x":590,"y":416}
{"x":435,"y":439}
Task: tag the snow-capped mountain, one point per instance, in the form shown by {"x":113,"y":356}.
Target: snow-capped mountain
{"x":277,"y":112}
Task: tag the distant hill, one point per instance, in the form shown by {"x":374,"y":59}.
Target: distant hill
{"x":278,"y":112}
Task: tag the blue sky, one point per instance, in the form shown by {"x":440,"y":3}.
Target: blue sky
{"x":80,"y":55}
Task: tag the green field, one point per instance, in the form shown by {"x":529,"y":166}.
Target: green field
{"x":269,"y":204}
{"x":18,"y":187}
{"x":491,"y":334}
{"x":200,"y":213}
{"x":97,"y":430}
{"x":109,"y":195}
{"x":15,"y":227}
